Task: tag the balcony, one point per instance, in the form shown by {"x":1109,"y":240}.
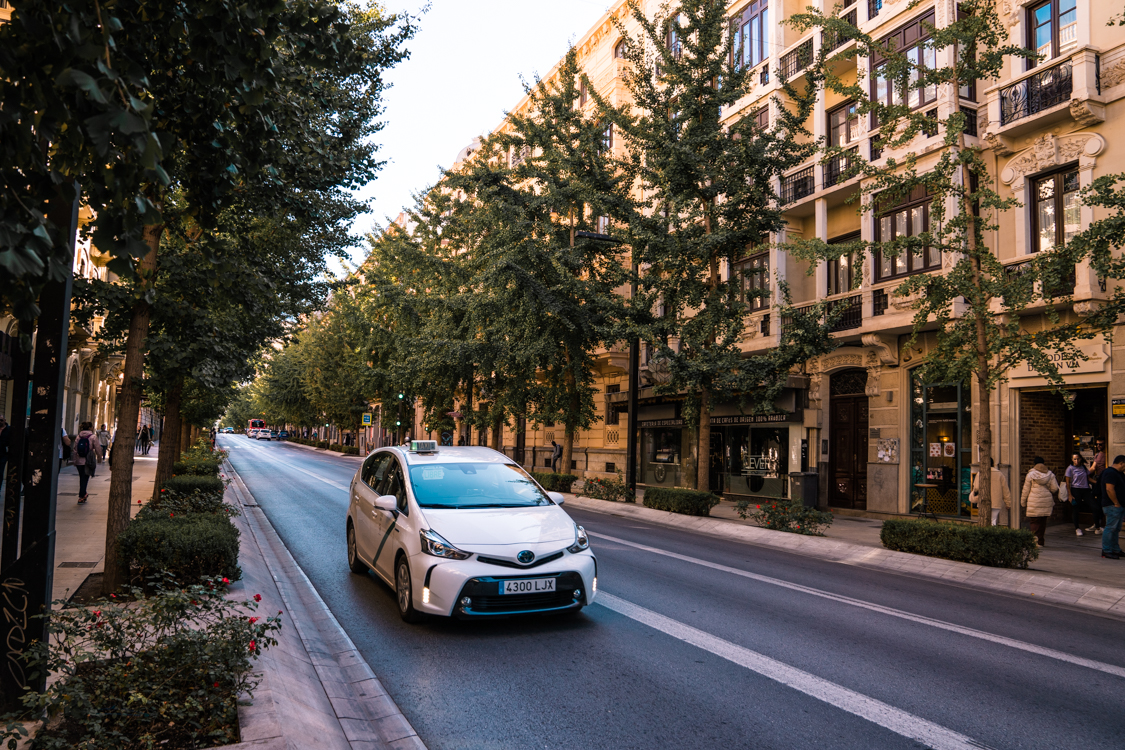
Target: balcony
{"x":836,"y":170}
{"x":796,"y":60}
{"x":873,"y":8}
{"x":1066,"y":89}
{"x":800,"y":184}
{"x":835,"y":41}
{"x":1064,"y":288}
{"x":1034,"y":94}
{"x":850,"y":312}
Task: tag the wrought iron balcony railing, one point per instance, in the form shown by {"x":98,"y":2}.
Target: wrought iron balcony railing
{"x":850,"y":317}
{"x":881,"y":301}
{"x":798,"y":185}
{"x":796,"y":60}
{"x":1036,"y":93}
{"x":833,"y":41}
{"x":836,"y":170}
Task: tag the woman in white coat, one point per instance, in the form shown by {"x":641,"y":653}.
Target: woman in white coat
{"x":1038,"y":496}
{"x":1000,"y":498}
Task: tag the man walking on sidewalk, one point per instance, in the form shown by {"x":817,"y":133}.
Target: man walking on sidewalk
{"x":556,"y":454}
{"x":86,"y":451}
{"x":1113,"y":499}
{"x":103,"y":441}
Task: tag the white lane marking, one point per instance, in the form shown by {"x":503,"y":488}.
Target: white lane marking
{"x":891,"y":611}
{"x":887,"y":716}
{"x":337,"y":485}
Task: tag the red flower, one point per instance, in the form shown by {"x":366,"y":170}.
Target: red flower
{"x":171,"y":515}
{"x":226,"y":580}
{"x":253,"y":646}
{"x":257,"y":597}
{"x":216,"y":684}
{"x":193,"y":601}
{"x":252,"y":620}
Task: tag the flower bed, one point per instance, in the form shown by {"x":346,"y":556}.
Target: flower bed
{"x":554,"y":482}
{"x":786,"y":516}
{"x":165,"y":671}
{"x":688,"y":502}
{"x":613,"y":490}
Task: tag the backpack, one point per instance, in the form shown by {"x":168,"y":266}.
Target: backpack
{"x":83,"y":447}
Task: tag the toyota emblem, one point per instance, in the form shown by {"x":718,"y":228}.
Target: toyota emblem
{"x":526,"y":556}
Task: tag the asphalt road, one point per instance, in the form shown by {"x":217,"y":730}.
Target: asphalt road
{"x":699,"y":643}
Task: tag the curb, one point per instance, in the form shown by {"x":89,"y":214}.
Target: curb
{"x":354,"y":698}
{"x":1021,"y":583}
{"x":322,"y":451}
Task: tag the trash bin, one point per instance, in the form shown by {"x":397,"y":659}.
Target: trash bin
{"x":804,"y":486}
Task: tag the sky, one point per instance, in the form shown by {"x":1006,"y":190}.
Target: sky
{"x":463,"y":74}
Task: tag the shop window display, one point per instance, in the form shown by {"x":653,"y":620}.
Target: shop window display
{"x":663,"y":455}
{"x":756,"y":461}
{"x":940,"y":448}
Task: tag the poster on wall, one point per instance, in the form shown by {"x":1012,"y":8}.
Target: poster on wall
{"x":935,"y":450}
{"x":950,"y":450}
{"x":888,"y":450}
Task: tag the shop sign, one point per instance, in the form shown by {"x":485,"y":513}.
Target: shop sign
{"x":1094,"y":362}
{"x":1118,"y":408}
{"x":760,"y":466}
{"x":738,"y":419}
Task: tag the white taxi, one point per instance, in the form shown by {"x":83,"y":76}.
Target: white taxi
{"x":465,"y":531}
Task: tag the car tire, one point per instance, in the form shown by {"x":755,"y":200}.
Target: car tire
{"x":404,"y":592}
{"x":356,"y":565}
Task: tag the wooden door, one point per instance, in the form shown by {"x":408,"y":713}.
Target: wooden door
{"x":848,"y":458}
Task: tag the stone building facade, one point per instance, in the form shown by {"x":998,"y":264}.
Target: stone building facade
{"x":858,"y":416}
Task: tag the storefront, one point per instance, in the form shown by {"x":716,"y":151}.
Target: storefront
{"x":750,"y":454}
{"x":940,"y":448}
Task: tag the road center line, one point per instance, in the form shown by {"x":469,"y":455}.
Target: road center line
{"x":920,"y":619}
{"x":896,"y":720}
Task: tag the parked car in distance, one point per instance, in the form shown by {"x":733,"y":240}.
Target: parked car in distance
{"x":252,"y":433}
{"x":283,"y":435}
{"x":273,"y":435}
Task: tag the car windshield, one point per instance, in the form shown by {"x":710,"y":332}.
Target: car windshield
{"x":475,"y":485}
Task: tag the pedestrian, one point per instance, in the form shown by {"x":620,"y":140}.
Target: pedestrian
{"x":1078,"y":487}
{"x":103,"y":440}
{"x":86,"y":452}
{"x":148,"y":439}
{"x":1096,"y":468}
{"x":1113,"y":496}
{"x":142,"y":439}
{"x":1001,"y":498}
{"x":5,"y":440}
{"x":556,"y":456}
{"x":1038,"y":496}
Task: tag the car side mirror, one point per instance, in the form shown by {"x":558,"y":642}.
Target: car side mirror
{"x":387,"y":502}
{"x":557,"y":497}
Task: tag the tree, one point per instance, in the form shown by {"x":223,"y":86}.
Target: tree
{"x":708,"y":199}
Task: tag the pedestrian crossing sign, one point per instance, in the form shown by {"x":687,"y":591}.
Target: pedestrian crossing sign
{"x":366,"y":420}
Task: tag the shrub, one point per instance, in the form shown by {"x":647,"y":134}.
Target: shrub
{"x":201,"y":451}
{"x":995,"y":546}
{"x":322,"y":444}
{"x":554,"y":482}
{"x":688,"y":502}
{"x":180,"y":503}
{"x":165,"y":671}
{"x":350,"y":450}
{"x":786,"y":516}
{"x":613,"y":489}
{"x":189,"y":483}
{"x":187,"y":546}
{"x":205,"y":468}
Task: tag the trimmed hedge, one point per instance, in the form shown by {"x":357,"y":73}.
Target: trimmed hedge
{"x":196,"y":468}
{"x":188,"y":483}
{"x":554,"y":482}
{"x":995,"y":546}
{"x":688,"y":502}
{"x":187,"y":547}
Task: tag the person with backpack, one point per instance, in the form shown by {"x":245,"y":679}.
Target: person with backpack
{"x":86,"y":452}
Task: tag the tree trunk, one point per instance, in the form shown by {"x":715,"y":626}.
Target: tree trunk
{"x":497,"y":434}
{"x":169,"y":451}
{"x":183,"y":435}
{"x":569,"y":427}
{"x":129,"y":406}
{"x":703,"y":460}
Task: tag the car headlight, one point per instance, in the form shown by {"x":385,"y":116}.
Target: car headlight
{"x":433,"y":544}
{"x":581,"y":541}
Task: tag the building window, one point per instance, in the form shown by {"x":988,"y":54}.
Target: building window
{"x":755,"y":272}
{"x":908,"y":219}
{"x":750,"y":32}
{"x":583,"y":95}
{"x":675,"y":44}
{"x":912,"y":41}
{"x":841,"y":271}
{"x":607,"y":138}
{"x":1052,"y":28}
{"x":1057,"y":215}
{"x":619,"y":50}
{"x":940,"y":447}
{"x":612,"y":415}
{"x":603,"y":225}
{"x":843,"y":125}
{"x":762,"y":118}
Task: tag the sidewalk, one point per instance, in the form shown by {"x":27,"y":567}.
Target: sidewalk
{"x":80,"y":529}
{"x":1066,"y":573}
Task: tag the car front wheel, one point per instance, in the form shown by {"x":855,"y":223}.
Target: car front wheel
{"x":404,"y":592}
{"x":356,"y":565}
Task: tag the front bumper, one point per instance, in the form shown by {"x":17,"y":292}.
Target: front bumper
{"x":445,"y":583}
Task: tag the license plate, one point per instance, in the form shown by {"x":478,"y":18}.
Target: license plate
{"x":528,"y":586}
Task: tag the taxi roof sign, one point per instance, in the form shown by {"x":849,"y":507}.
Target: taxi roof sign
{"x":423,"y":446}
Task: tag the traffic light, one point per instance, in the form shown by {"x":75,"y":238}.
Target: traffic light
{"x":400,"y":397}
{"x":398,"y":424}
